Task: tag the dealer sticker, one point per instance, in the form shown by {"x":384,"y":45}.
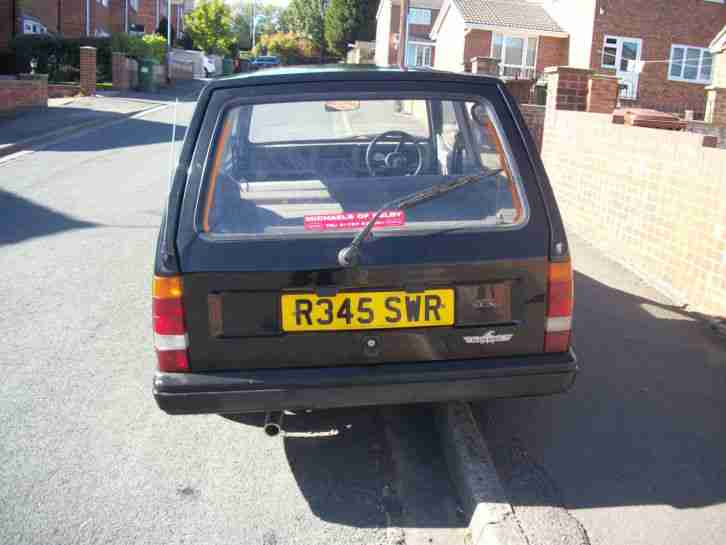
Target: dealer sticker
{"x":354,"y":220}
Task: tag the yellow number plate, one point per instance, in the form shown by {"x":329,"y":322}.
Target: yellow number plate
{"x":367,"y":310}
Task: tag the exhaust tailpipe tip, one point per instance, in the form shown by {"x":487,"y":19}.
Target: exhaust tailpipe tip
{"x":273,"y":423}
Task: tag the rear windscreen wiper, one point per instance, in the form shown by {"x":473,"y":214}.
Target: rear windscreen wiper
{"x":348,"y":256}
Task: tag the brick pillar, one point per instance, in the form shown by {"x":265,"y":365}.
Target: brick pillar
{"x":716,"y":105}
{"x":485,"y":65}
{"x":119,"y":71}
{"x":567,"y":88}
{"x":88,"y":70}
{"x":602,"y":95}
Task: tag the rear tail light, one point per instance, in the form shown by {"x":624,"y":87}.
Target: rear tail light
{"x":560,"y":299}
{"x":170,"y":332}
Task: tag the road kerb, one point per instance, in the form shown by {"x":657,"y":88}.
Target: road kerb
{"x":472,"y":471}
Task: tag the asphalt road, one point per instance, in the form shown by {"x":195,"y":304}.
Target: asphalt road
{"x":635,"y":453}
{"x":85,"y":454}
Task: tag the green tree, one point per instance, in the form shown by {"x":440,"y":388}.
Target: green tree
{"x":306,"y":18}
{"x":345,"y":22}
{"x":210,"y":26}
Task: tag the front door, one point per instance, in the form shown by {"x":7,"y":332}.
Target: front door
{"x":622,"y":54}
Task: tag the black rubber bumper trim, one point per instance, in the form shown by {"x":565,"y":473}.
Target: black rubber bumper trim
{"x":391,"y":383}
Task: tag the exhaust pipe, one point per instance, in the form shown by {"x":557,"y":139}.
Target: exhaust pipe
{"x":273,"y":423}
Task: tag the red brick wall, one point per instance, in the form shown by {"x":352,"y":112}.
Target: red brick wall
{"x":552,"y":52}
{"x":73,"y":20}
{"x":420,"y":30}
{"x":116,"y":17}
{"x":101,"y":16}
{"x":689,"y":22}
{"x":146,"y":15}
{"x":15,"y":94}
{"x":45,"y":10}
{"x":477,"y":43}
{"x":642,"y":216}
{"x":6,"y":23}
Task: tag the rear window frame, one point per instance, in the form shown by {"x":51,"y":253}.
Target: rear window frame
{"x":218,"y":124}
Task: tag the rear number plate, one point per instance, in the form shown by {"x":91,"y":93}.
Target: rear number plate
{"x":367,"y":310}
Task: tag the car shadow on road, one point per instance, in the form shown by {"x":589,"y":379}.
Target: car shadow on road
{"x":644,"y":423}
{"x":23,"y":219}
{"x":343,"y":464}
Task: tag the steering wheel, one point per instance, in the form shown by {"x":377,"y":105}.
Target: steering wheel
{"x":395,"y":163}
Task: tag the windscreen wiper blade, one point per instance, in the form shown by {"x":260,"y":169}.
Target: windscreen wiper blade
{"x":349,"y":255}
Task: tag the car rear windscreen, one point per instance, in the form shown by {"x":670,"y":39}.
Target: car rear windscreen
{"x":302,"y":168}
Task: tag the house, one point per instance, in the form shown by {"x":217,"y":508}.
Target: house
{"x":657,"y":49}
{"x":76,"y":18}
{"x":420,"y":48}
{"x":521,"y":34}
{"x":716,"y":92}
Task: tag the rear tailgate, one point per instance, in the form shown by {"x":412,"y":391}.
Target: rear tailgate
{"x":234,"y":320}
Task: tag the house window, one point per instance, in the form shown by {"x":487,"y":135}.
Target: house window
{"x":517,"y":55}
{"x":690,"y":64}
{"x":134,"y":4}
{"x":418,"y":16}
{"x":419,"y":54}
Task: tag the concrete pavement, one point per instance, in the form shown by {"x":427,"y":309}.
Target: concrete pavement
{"x":635,"y":454}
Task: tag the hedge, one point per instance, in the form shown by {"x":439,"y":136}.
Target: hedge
{"x":60,"y":57}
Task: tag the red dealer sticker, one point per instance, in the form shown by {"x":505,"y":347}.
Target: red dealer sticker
{"x":353,"y":220}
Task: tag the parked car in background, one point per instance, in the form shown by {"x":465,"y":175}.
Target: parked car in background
{"x":267,"y":61}
{"x":391,"y":237}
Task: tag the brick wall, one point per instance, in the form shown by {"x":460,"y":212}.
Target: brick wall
{"x":146,"y":15}
{"x":116,"y":17}
{"x":73,"y":20}
{"x":651,"y":199}
{"x":551,"y":52}
{"x":534,"y":117}
{"x":101,"y":18}
{"x":88,"y":70}
{"x":567,"y":88}
{"x":18,"y":94}
{"x":688,"y":22}
{"x":45,"y":10}
{"x":6,"y":23}
{"x":477,"y":43}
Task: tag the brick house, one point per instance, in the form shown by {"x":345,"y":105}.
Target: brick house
{"x":522,"y":34}
{"x":658,"y":50}
{"x":420,"y":49}
{"x":76,"y":18}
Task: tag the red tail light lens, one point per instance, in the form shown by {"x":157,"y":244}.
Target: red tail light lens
{"x":560,"y":302}
{"x":170,"y":335}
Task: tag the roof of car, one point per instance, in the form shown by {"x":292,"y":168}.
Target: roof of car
{"x":343,"y":72}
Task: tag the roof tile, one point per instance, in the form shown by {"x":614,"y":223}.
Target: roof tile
{"x":515,"y":14}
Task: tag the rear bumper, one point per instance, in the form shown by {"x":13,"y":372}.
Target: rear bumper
{"x":387,"y":384}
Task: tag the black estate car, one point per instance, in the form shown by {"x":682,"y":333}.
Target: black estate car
{"x":341,"y":236}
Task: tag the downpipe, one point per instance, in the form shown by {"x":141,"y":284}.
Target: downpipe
{"x":273,"y":423}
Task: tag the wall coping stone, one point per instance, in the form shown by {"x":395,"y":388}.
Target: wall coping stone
{"x":571,"y":69}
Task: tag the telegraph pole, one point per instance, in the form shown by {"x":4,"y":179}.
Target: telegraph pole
{"x":403,"y":33}
{"x":254,"y":21}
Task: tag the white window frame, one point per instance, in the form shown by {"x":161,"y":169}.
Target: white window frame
{"x":134,"y":4}
{"x":525,"y":51}
{"x":685,"y":48}
{"x":415,"y":13}
{"x":427,"y":47}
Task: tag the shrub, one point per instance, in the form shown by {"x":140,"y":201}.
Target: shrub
{"x":58,"y":57}
{"x":290,"y":47}
{"x":149,"y":46}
